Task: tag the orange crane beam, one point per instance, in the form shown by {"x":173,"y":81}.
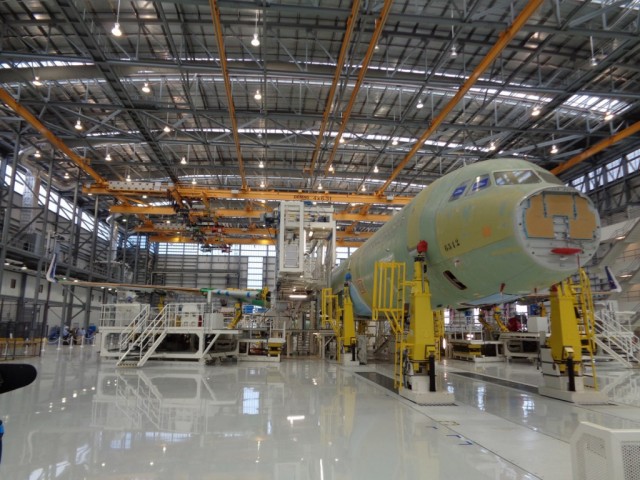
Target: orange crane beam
{"x":160,"y":230}
{"x":199,"y":192}
{"x":503,"y":40}
{"x":355,"y":7}
{"x":217,"y":26}
{"x":81,"y":163}
{"x":598,"y":147}
{"x":234,"y":241}
{"x":238,"y":213}
{"x":380,"y":22}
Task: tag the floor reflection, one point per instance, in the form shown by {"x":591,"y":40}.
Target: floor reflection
{"x":303,"y":419}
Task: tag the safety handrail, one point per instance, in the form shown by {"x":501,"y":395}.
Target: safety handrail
{"x":129,"y":333}
{"x":612,"y":332}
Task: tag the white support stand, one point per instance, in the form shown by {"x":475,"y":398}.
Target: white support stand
{"x":556,"y":385}
{"x":347,"y":362}
{"x":419,"y":392}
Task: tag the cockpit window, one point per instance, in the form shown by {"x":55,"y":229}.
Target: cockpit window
{"x":457,"y":193}
{"x":516,"y":177}
{"x":479,"y":183}
{"x":550,"y":178}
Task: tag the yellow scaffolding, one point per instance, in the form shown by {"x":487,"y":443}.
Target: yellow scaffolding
{"x":330,"y":312}
{"x":585,"y":309}
{"x":389,"y":295}
{"x":389,"y":283}
{"x":438,"y":325}
{"x":497,"y":316}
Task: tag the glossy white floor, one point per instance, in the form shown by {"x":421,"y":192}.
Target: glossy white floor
{"x":300,"y":419}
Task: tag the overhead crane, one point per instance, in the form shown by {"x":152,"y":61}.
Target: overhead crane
{"x":235,"y":241}
{"x":164,"y":190}
{"x":236,"y":213}
{"x":175,"y":230}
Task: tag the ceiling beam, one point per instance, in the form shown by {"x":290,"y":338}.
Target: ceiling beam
{"x":275,"y":71}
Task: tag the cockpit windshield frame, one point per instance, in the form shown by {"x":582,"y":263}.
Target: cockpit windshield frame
{"x":524,"y":176}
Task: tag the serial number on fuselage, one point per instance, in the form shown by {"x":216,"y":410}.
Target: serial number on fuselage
{"x":453,"y":244}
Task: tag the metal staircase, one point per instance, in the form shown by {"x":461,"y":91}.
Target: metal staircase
{"x":145,"y":343}
{"x":134,"y":328}
{"x":615,"y":339}
{"x":302,"y":343}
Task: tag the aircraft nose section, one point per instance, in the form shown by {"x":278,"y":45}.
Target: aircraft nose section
{"x":559,"y":227}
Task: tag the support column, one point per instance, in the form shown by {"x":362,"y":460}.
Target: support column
{"x":6,"y":226}
{"x":42,"y":261}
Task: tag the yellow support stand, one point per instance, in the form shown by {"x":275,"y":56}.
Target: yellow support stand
{"x":497,"y":316}
{"x":342,"y":322}
{"x":571,"y":332}
{"x":421,"y":327}
{"x":348,"y":329}
{"x":237,"y":315}
{"x":418,"y":347}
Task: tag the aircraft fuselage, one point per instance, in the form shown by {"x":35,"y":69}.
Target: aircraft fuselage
{"x":496,"y":230}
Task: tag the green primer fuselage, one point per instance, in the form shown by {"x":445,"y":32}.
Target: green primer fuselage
{"x":479,"y":238}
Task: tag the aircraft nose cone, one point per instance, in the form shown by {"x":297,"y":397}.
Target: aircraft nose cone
{"x":559,"y":227}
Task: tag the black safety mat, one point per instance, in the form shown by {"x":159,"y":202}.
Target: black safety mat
{"x":498,"y":381}
{"x":379,"y":379}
